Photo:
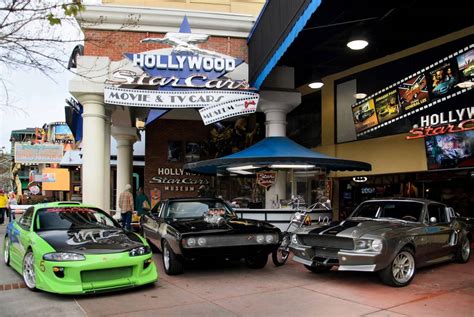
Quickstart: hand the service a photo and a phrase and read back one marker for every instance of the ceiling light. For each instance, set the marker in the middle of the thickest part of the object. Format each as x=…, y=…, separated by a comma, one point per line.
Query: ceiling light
x=241, y=172
x=244, y=167
x=291, y=166
x=316, y=85
x=360, y=95
x=357, y=44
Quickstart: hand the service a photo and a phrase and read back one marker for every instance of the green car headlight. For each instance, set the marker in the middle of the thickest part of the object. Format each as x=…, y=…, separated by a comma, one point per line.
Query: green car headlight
x=139, y=251
x=63, y=256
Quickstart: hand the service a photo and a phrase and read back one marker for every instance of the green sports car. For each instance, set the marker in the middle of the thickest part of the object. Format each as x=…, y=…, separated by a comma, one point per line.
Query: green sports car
x=71, y=248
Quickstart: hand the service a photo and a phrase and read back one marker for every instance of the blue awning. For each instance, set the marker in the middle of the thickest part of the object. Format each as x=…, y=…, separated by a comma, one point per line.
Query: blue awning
x=275, y=150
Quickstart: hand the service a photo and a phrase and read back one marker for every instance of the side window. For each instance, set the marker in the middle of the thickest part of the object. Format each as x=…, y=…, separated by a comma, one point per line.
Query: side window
x=27, y=218
x=437, y=211
x=160, y=210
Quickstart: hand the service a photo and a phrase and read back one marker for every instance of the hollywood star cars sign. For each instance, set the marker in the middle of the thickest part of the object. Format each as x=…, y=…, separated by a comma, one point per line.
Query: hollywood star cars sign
x=189, y=77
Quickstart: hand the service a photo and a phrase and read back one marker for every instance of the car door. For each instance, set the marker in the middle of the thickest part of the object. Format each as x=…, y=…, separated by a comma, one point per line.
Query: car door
x=21, y=236
x=438, y=231
x=150, y=223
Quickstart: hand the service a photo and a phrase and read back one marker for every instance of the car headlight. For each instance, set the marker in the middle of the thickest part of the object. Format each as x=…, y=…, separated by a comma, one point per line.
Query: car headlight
x=377, y=245
x=269, y=238
x=63, y=256
x=294, y=239
x=139, y=251
x=201, y=242
x=260, y=239
x=191, y=242
x=368, y=244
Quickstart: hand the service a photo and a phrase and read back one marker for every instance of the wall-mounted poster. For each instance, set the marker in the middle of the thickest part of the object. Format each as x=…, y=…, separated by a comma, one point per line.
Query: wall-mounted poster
x=193, y=152
x=443, y=80
x=413, y=92
x=451, y=150
x=364, y=116
x=466, y=64
x=175, y=151
x=387, y=106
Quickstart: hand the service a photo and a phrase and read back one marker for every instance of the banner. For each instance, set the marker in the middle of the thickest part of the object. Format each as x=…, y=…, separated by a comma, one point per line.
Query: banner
x=38, y=153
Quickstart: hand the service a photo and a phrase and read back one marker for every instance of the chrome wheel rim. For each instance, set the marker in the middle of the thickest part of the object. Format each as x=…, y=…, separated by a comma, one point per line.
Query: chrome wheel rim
x=6, y=253
x=466, y=250
x=282, y=255
x=29, y=270
x=166, y=257
x=403, y=267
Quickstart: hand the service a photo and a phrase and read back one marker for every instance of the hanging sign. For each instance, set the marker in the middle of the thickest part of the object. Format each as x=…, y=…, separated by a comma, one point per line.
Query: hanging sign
x=266, y=179
x=189, y=77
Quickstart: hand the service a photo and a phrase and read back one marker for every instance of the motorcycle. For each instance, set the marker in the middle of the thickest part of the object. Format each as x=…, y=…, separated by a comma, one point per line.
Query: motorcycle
x=298, y=219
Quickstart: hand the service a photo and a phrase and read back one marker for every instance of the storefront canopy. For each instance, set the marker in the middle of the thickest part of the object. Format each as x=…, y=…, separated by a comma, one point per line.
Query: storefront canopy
x=275, y=150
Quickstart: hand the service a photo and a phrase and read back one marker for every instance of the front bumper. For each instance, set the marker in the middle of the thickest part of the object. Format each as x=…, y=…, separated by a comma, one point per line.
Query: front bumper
x=98, y=273
x=235, y=252
x=346, y=260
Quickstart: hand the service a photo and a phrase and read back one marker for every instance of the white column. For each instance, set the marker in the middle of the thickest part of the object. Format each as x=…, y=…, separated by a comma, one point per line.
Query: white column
x=107, y=136
x=93, y=149
x=275, y=105
x=125, y=137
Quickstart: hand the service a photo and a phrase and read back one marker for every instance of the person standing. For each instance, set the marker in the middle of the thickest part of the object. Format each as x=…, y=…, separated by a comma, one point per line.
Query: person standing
x=142, y=203
x=11, y=202
x=3, y=206
x=126, y=207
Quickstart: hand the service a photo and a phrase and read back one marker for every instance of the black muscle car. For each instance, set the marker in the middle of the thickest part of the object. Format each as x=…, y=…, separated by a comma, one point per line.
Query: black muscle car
x=393, y=237
x=196, y=228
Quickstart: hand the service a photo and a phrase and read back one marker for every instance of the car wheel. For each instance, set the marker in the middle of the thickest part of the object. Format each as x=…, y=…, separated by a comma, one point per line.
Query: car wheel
x=29, y=276
x=464, y=252
x=257, y=262
x=318, y=268
x=171, y=263
x=401, y=271
x=6, y=251
x=280, y=255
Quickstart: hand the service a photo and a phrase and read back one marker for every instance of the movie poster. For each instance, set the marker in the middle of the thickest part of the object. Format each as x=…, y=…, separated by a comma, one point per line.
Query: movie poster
x=451, y=150
x=413, y=92
x=364, y=116
x=387, y=106
x=466, y=64
x=443, y=80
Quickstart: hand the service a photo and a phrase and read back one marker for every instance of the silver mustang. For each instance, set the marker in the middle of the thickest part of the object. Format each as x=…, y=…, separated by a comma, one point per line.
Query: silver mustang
x=393, y=237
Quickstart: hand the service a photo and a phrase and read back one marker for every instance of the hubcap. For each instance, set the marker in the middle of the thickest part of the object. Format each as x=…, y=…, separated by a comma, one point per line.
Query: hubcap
x=403, y=267
x=7, y=250
x=166, y=257
x=466, y=250
x=29, y=270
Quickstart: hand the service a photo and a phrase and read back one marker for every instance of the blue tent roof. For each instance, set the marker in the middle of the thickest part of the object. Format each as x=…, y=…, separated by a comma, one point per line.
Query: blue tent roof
x=274, y=150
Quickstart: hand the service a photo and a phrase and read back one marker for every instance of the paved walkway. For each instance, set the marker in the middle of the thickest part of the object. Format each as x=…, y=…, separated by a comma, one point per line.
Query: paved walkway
x=235, y=290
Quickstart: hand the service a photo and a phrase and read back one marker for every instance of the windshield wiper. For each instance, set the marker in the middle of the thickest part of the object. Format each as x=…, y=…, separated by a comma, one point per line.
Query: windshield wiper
x=362, y=218
x=396, y=219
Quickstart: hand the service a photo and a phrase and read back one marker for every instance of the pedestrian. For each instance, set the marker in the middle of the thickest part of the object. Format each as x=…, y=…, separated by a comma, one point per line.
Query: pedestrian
x=126, y=207
x=142, y=203
x=3, y=206
x=12, y=201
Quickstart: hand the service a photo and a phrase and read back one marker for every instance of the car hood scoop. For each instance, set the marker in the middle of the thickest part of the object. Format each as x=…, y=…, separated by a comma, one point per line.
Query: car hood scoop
x=94, y=241
x=235, y=225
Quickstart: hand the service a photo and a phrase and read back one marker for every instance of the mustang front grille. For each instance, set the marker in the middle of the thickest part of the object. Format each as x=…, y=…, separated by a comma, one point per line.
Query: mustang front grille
x=331, y=242
x=106, y=274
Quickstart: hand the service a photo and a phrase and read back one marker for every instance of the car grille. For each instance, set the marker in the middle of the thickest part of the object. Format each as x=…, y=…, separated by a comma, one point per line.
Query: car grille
x=233, y=240
x=331, y=242
x=106, y=274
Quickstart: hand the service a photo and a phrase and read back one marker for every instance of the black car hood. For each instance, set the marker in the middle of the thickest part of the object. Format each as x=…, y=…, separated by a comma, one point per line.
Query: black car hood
x=93, y=241
x=233, y=225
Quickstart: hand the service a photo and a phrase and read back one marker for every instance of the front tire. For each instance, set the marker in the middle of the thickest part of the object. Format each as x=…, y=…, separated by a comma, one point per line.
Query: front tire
x=401, y=271
x=318, y=268
x=464, y=252
x=6, y=251
x=29, y=276
x=280, y=255
x=171, y=263
x=257, y=261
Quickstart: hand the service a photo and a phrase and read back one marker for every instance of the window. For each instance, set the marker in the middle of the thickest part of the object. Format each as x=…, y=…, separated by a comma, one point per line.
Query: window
x=26, y=219
x=437, y=211
x=65, y=218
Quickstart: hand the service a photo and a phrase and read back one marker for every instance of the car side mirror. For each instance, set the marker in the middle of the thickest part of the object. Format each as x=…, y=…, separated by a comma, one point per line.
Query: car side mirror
x=433, y=220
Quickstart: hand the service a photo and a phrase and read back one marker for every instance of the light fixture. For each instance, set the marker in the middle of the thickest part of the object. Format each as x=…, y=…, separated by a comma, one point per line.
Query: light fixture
x=243, y=167
x=359, y=179
x=241, y=172
x=360, y=95
x=292, y=166
x=316, y=84
x=357, y=44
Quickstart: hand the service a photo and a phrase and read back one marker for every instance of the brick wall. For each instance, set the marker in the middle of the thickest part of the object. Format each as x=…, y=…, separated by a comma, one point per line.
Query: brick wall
x=159, y=133
x=115, y=43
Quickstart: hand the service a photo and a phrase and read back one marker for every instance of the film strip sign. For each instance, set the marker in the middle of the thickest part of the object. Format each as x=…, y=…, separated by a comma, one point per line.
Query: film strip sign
x=398, y=83
x=232, y=108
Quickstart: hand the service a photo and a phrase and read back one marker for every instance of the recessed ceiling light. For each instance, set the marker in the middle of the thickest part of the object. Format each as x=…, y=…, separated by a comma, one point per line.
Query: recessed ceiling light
x=357, y=44
x=316, y=85
x=360, y=95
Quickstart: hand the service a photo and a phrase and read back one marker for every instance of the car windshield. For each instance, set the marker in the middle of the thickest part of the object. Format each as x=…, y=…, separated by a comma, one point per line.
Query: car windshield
x=197, y=209
x=402, y=210
x=66, y=218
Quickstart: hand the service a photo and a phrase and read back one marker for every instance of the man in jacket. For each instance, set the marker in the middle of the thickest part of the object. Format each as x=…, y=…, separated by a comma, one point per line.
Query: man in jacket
x=126, y=207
